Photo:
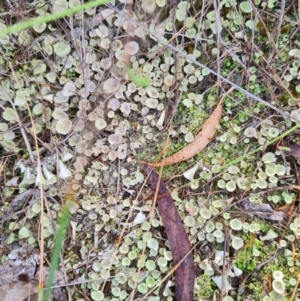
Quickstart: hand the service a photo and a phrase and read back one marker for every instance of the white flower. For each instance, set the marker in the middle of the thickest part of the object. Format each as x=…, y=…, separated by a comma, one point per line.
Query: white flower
x=64, y=172
x=139, y=219
x=50, y=177
x=190, y=173
x=39, y=177
x=28, y=178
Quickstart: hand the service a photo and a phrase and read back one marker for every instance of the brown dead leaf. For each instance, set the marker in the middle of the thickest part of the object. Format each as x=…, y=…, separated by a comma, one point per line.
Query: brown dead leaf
x=261, y=210
x=177, y=237
x=296, y=187
x=287, y=209
x=204, y=136
x=294, y=151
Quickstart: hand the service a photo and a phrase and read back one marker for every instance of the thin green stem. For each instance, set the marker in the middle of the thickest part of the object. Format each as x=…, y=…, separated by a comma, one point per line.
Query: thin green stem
x=63, y=222
x=48, y=18
x=261, y=147
x=249, y=154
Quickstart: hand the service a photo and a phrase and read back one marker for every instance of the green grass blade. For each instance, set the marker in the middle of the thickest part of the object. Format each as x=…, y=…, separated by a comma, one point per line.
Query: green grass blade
x=138, y=80
x=48, y=18
x=63, y=222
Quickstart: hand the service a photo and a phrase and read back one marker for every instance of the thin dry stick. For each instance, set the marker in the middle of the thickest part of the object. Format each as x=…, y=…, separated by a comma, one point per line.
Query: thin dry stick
x=195, y=62
x=123, y=230
x=181, y=30
x=155, y=199
x=249, y=154
x=276, y=32
x=202, y=227
x=224, y=264
x=2, y=165
x=150, y=220
x=298, y=12
x=218, y=29
x=41, y=276
x=286, y=46
x=118, y=179
x=127, y=60
x=264, y=25
x=173, y=269
x=203, y=137
x=191, y=250
x=276, y=78
x=19, y=122
x=202, y=14
x=295, y=288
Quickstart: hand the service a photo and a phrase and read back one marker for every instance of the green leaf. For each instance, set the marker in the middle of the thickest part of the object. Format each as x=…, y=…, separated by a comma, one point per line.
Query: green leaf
x=9, y=114
x=63, y=221
x=23, y=233
x=140, y=81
